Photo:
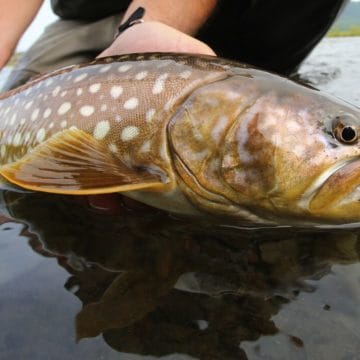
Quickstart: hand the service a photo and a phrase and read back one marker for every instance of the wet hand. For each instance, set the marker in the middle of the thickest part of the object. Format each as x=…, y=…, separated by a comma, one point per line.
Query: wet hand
x=155, y=37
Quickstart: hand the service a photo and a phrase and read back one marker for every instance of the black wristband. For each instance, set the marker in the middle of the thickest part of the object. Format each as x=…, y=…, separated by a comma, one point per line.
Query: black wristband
x=134, y=18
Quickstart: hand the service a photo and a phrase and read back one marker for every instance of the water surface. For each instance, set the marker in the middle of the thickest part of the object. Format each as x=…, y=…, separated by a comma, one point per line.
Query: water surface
x=79, y=284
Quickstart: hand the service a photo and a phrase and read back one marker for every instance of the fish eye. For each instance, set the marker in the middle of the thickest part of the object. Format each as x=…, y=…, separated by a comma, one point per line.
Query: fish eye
x=345, y=132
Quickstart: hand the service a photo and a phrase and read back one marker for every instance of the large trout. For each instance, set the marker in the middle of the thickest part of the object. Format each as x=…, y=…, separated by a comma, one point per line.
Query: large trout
x=188, y=134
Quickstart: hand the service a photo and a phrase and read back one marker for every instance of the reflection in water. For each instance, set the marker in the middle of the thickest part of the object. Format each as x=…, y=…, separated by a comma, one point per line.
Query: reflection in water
x=151, y=284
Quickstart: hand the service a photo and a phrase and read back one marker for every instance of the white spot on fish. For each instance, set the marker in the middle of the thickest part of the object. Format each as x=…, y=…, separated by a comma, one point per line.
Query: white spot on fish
x=12, y=120
x=145, y=147
x=131, y=104
x=79, y=91
x=150, y=114
x=40, y=135
x=87, y=110
x=299, y=150
x=56, y=91
x=129, y=133
x=27, y=137
x=124, y=68
x=219, y=128
x=27, y=105
x=141, y=75
x=104, y=68
x=51, y=125
x=63, y=93
x=17, y=139
x=47, y=113
x=159, y=84
x=113, y=148
x=116, y=91
x=22, y=121
x=48, y=82
x=63, y=124
x=118, y=118
x=185, y=74
x=103, y=107
x=35, y=114
x=80, y=77
x=94, y=88
x=3, y=150
x=64, y=108
x=101, y=130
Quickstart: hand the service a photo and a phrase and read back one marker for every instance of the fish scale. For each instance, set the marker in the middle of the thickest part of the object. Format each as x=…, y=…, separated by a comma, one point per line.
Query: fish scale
x=185, y=133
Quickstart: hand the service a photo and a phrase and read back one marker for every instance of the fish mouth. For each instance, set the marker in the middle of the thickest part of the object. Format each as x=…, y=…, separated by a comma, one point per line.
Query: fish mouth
x=334, y=187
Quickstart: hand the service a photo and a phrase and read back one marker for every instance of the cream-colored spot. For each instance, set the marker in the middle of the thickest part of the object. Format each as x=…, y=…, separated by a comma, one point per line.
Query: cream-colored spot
x=22, y=121
x=63, y=93
x=27, y=105
x=116, y=91
x=118, y=118
x=141, y=75
x=159, y=84
x=17, y=139
x=87, y=110
x=9, y=139
x=51, y=125
x=63, y=124
x=150, y=114
x=80, y=77
x=56, y=91
x=299, y=150
x=94, y=88
x=73, y=127
x=27, y=137
x=131, y=104
x=113, y=148
x=48, y=82
x=124, y=68
x=12, y=120
x=64, y=108
x=79, y=91
x=47, y=113
x=185, y=74
x=104, y=68
x=129, y=133
x=40, y=135
x=35, y=114
x=103, y=107
x=145, y=147
x=101, y=130
x=3, y=150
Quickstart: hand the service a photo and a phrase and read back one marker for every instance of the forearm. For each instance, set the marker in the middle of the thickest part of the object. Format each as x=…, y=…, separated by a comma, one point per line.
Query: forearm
x=185, y=15
x=15, y=17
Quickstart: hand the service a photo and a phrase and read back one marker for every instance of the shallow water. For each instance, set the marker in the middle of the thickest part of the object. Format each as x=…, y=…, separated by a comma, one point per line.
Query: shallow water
x=79, y=284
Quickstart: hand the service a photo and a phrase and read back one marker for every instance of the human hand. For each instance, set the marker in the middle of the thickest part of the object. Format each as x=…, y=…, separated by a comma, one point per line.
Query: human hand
x=155, y=37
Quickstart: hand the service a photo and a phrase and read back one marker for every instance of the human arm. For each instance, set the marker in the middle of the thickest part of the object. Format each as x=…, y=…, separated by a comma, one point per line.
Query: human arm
x=168, y=27
x=15, y=17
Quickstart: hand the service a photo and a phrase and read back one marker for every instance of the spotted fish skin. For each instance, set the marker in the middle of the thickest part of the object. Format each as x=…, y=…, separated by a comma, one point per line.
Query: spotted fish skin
x=189, y=134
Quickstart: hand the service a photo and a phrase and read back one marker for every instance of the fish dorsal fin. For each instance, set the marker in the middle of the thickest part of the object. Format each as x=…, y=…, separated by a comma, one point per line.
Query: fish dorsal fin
x=73, y=162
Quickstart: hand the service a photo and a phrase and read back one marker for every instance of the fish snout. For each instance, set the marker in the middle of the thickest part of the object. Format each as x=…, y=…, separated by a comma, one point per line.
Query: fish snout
x=338, y=195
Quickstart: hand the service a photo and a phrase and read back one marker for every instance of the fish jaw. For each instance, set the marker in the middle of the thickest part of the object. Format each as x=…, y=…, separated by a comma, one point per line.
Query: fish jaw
x=337, y=195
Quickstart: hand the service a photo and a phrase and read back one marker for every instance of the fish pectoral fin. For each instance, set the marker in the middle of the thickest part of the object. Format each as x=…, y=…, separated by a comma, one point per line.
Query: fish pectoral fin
x=73, y=162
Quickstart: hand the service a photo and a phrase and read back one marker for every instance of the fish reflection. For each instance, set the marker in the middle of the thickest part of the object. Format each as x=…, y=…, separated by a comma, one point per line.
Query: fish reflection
x=153, y=284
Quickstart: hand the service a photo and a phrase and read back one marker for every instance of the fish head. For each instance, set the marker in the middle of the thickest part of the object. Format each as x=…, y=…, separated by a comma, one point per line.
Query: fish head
x=294, y=156
x=267, y=149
